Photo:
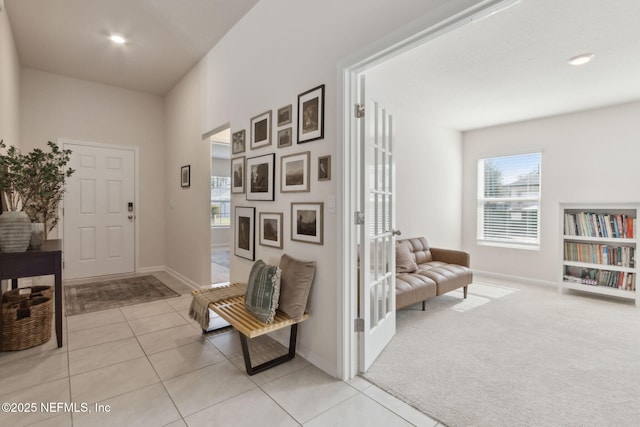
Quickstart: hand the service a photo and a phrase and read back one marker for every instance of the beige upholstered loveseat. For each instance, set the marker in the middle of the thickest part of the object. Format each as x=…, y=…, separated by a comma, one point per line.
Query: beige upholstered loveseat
x=423, y=272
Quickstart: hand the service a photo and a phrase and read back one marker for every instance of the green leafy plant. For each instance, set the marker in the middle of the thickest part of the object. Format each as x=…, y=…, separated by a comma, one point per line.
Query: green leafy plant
x=35, y=182
x=13, y=180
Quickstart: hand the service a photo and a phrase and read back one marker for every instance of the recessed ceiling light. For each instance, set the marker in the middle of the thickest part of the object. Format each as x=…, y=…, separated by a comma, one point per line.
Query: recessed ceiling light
x=581, y=59
x=118, y=39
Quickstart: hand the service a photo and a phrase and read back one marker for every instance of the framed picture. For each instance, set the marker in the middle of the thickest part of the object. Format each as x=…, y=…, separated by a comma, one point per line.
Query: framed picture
x=271, y=229
x=237, y=175
x=307, y=222
x=260, y=176
x=284, y=115
x=294, y=170
x=245, y=236
x=311, y=115
x=324, y=168
x=284, y=137
x=261, y=130
x=238, y=142
x=185, y=176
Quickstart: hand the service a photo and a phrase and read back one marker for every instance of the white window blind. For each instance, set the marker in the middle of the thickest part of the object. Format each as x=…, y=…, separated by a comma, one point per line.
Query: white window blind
x=509, y=200
x=220, y=201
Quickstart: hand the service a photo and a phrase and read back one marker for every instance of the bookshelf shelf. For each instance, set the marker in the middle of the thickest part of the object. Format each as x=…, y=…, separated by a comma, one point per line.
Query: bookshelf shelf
x=598, y=249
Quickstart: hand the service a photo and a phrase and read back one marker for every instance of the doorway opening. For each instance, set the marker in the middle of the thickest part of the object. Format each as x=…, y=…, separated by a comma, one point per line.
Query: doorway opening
x=220, y=214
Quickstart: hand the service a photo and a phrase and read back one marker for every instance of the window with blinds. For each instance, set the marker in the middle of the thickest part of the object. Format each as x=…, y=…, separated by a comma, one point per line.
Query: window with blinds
x=509, y=200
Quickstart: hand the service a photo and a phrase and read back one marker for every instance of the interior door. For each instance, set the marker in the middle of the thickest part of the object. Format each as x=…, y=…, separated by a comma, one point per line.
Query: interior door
x=377, y=242
x=99, y=212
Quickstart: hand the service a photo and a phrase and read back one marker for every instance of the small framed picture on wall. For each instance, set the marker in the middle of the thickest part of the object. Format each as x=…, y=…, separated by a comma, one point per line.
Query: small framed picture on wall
x=245, y=237
x=261, y=130
x=185, y=176
x=294, y=171
x=311, y=115
x=237, y=175
x=307, y=222
x=284, y=137
x=271, y=229
x=324, y=168
x=238, y=142
x=260, y=172
x=284, y=115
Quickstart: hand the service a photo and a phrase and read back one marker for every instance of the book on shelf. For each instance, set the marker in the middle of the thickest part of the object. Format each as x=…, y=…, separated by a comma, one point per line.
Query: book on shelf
x=623, y=256
x=596, y=277
x=589, y=224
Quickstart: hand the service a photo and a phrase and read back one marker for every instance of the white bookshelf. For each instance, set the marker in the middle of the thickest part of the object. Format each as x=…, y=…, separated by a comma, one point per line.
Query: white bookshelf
x=599, y=244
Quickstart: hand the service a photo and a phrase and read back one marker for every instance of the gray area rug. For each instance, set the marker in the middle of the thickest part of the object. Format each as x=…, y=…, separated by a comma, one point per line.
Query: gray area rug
x=104, y=295
x=525, y=357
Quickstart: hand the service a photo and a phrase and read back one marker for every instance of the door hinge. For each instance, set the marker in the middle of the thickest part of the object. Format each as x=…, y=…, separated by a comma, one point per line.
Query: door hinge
x=359, y=111
x=358, y=325
x=358, y=218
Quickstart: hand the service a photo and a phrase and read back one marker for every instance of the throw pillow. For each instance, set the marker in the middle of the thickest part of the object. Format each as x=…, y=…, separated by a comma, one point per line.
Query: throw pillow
x=295, y=285
x=263, y=291
x=405, y=263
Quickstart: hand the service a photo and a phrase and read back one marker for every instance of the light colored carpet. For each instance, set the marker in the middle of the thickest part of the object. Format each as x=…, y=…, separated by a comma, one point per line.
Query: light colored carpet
x=526, y=356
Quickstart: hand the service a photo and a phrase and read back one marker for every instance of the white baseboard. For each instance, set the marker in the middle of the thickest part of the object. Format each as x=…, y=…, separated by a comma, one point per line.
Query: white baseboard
x=145, y=270
x=172, y=272
x=515, y=278
x=179, y=276
x=308, y=355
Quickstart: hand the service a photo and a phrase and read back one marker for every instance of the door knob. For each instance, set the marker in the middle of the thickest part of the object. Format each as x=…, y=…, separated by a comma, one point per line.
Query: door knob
x=130, y=217
x=396, y=232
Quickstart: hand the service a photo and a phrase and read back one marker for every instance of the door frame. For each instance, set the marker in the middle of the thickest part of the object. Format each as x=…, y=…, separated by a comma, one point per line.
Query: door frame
x=136, y=188
x=443, y=20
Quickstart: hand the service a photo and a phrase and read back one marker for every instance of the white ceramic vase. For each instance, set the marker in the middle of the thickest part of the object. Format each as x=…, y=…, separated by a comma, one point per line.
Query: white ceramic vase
x=15, y=231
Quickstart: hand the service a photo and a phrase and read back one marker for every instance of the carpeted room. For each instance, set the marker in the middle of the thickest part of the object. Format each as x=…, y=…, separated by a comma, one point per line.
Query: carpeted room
x=531, y=356
x=516, y=354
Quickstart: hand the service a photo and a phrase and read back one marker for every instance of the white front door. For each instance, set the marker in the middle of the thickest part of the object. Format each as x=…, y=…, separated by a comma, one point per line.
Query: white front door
x=99, y=212
x=377, y=242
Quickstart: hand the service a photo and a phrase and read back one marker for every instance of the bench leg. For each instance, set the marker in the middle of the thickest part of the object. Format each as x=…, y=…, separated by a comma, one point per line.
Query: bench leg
x=465, y=291
x=252, y=370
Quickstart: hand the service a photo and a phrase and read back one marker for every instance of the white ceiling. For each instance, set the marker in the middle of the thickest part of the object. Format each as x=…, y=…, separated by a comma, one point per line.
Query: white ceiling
x=508, y=67
x=512, y=66
x=166, y=37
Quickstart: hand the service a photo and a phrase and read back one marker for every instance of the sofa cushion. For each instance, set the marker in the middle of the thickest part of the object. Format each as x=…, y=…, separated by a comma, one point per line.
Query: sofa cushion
x=413, y=288
x=263, y=291
x=420, y=249
x=448, y=277
x=405, y=261
x=295, y=285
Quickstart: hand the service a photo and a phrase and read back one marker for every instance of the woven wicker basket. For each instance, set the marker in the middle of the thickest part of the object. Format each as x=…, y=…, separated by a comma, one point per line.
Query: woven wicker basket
x=26, y=318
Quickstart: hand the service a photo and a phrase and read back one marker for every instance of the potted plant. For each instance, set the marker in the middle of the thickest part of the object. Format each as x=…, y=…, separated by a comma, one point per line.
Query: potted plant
x=15, y=227
x=46, y=174
x=32, y=186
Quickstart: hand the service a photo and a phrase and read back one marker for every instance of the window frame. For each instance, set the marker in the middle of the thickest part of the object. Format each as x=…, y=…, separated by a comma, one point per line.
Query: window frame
x=227, y=201
x=508, y=241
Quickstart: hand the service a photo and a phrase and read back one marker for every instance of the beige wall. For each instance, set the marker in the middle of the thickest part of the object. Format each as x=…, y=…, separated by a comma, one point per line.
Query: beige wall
x=54, y=106
x=9, y=84
x=280, y=49
x=188, y=236
x=587, y=157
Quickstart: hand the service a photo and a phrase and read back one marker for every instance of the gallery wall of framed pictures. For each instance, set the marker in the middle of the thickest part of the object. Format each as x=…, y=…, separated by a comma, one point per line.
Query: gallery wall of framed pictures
x=276, y=213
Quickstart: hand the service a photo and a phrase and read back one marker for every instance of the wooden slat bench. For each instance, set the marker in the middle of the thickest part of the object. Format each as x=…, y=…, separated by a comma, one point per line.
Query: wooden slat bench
x=232, y=310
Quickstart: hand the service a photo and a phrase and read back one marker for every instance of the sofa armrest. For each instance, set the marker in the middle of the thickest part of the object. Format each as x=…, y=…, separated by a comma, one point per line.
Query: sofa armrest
x=450, y=256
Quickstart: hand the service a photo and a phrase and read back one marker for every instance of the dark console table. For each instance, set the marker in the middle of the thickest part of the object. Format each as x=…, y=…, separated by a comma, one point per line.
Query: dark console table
x=41, y=262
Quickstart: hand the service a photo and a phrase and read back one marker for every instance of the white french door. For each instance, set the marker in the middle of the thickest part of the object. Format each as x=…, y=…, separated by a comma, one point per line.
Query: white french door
x=99, y=212
x=377, y=238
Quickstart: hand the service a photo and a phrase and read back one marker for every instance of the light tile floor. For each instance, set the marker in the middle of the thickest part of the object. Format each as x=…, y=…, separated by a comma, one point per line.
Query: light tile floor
x=151, y=366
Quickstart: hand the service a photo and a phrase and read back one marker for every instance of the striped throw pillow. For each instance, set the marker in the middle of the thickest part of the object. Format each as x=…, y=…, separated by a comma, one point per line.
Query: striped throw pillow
x=263, y=291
